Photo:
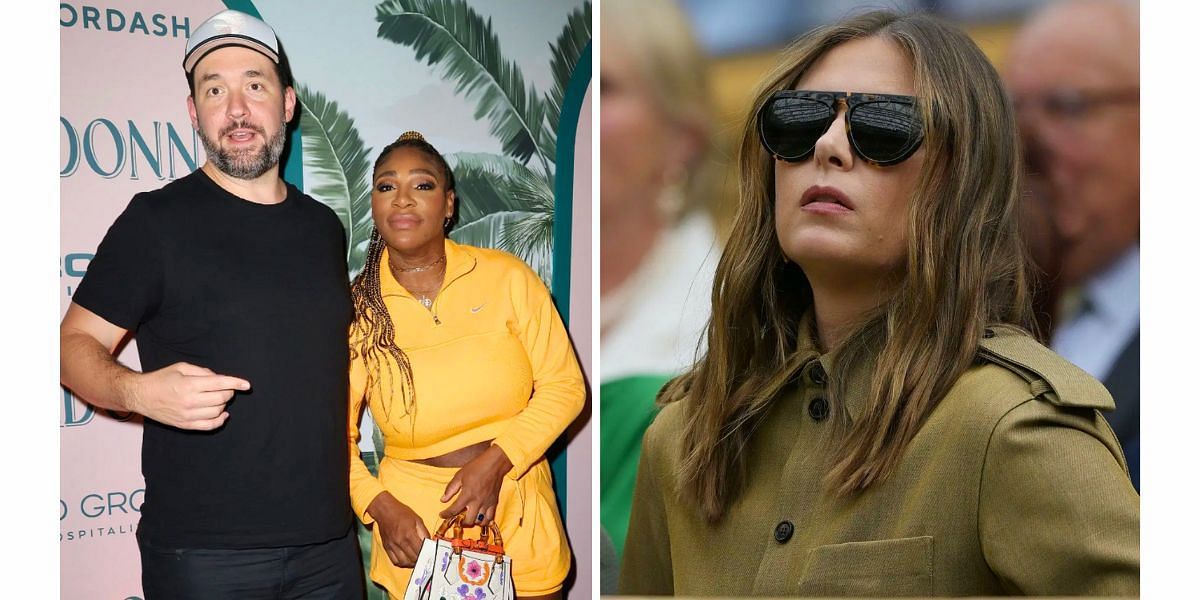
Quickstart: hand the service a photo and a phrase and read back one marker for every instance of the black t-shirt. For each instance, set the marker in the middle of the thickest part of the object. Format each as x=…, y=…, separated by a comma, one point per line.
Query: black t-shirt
x=254, y=291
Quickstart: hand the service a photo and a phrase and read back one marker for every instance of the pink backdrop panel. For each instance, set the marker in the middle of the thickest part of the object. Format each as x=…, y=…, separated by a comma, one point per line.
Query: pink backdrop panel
x=123, y=129
x=579, y=451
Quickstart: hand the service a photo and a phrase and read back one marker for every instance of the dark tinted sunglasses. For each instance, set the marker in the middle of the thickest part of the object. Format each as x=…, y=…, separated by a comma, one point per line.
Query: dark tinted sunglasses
x=884, y=129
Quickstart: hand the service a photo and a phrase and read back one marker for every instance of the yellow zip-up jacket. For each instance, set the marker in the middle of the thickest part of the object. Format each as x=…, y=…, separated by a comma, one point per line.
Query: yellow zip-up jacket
x=490, y=361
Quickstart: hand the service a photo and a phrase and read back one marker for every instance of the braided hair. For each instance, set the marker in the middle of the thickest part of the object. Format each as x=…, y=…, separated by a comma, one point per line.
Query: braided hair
x=372, y=334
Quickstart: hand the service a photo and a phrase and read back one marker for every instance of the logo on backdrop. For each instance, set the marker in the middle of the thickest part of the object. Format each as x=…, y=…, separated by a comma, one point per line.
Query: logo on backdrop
x=111, y=148
x=71, y=269
x=77, y=413
x=100, y=513
x=110, y=19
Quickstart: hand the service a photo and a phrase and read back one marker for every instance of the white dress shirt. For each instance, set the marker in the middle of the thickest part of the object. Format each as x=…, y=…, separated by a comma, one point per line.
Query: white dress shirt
x=654, y=319
x=1108, y=317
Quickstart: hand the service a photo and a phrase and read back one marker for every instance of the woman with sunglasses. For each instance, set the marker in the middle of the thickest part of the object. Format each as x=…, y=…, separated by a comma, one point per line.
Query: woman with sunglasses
x=871, y=416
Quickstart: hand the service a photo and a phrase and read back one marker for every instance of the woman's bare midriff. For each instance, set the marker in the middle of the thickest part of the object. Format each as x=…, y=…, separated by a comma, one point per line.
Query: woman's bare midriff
x=456, y=458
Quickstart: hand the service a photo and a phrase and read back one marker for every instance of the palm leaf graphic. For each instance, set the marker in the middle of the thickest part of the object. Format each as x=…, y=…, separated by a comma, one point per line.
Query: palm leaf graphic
x=485, y=182
x=489, y=231
x=335, y=153
x=451, y=36
x=566, y=50
x=531, y=238
x=489, y=184
x=488, y=228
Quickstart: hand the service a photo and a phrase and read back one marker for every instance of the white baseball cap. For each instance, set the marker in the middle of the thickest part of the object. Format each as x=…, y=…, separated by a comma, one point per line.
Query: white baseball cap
x=230, y=28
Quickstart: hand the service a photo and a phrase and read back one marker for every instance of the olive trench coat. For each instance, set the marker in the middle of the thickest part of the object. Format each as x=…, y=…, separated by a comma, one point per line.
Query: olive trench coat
x=1014, y=485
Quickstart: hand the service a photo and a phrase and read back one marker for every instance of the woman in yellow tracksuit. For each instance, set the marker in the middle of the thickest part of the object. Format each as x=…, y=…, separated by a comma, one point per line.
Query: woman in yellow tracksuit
x=469, y=374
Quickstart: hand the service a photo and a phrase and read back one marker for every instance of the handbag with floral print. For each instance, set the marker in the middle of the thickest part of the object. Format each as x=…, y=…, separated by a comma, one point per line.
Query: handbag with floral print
x=451, y=567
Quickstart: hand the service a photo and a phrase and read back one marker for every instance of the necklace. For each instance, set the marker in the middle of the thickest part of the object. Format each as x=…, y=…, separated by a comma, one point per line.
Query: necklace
x=422, y=296
x=417, y=269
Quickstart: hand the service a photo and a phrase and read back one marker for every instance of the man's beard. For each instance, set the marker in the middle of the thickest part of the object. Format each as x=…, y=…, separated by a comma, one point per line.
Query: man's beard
x=248, y=163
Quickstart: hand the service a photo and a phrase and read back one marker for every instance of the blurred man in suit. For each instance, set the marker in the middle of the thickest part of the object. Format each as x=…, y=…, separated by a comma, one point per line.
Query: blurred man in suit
x=1073, y=75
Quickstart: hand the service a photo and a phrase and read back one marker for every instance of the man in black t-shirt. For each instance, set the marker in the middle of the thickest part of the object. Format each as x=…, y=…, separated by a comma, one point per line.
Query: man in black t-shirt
x=234, y=284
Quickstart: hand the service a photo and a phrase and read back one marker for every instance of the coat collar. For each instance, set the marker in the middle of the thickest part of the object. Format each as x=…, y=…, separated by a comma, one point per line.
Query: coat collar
x=459, y=261
x=817, y=367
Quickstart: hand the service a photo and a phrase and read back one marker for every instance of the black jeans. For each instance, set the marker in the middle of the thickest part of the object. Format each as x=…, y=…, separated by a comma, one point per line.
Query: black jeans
x=330, y=570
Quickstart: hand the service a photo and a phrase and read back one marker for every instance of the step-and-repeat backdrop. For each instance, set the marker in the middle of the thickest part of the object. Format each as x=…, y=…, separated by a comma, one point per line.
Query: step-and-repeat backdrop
x=124, y=129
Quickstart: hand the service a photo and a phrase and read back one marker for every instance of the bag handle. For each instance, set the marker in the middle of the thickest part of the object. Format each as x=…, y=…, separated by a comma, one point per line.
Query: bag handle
x=460, y=543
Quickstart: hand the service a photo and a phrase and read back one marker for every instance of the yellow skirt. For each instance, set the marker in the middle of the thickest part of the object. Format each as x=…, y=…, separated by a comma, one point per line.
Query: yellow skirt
x=526, y=515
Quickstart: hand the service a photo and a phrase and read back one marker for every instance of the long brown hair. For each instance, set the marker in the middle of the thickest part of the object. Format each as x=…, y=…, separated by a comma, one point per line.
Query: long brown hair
x=964, y=270
x=372, y=334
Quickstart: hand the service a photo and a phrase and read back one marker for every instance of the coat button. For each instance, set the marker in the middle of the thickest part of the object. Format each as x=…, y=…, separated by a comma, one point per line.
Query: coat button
x=988, y=334
x=817, y=374
x=783, y=531
x=818, y=409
